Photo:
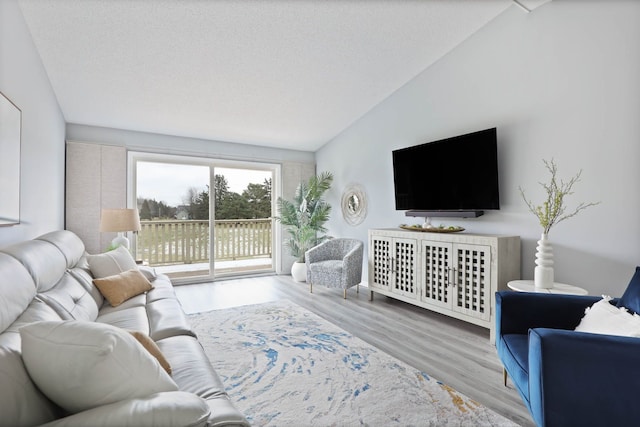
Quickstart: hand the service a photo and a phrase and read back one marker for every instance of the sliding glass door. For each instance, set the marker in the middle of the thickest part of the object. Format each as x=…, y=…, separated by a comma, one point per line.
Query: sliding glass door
x=174, y=215
x=203, y=217
x=243, y=220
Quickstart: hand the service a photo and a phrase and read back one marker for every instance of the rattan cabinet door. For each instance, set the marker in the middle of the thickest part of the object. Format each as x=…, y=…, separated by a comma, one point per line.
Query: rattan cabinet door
x=380, y=262
x=405, y=252
x=472, y=282
x=436, y=273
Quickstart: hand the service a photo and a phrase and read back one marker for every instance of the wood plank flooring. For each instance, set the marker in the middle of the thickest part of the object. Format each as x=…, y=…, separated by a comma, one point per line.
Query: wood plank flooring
x=452, y=351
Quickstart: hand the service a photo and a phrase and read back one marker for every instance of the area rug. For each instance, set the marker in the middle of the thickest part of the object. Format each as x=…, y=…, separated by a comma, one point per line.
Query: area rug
x=284, y=365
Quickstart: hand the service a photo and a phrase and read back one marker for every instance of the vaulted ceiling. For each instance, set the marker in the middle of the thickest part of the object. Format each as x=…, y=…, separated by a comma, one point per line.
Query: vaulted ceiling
x=281, y=73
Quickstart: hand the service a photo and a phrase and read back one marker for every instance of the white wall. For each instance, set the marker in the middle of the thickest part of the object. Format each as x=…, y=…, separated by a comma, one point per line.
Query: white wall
x=561, y=82
x=24, y=81
x=168, y=144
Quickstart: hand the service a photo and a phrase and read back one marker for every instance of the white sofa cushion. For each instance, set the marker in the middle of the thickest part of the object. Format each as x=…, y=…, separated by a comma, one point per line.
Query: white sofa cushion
x=82, y=365
x=167, y=409
x=21, y=403
x=17, y=290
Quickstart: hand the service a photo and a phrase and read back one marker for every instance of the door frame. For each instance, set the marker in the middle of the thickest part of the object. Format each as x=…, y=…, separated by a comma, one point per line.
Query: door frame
x=276, y=191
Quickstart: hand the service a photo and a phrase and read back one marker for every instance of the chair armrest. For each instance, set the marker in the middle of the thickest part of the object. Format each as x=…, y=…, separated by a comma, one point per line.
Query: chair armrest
x=173, y=408
x=517, y=312
x=354, y=255
x=352, y=263
x=578, y=378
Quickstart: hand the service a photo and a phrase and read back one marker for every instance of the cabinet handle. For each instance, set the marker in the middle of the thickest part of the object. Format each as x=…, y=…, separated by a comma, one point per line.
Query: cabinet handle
x=452, y=280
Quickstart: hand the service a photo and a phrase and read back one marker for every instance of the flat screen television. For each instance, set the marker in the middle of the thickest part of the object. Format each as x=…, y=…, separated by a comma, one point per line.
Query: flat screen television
x=453, y=174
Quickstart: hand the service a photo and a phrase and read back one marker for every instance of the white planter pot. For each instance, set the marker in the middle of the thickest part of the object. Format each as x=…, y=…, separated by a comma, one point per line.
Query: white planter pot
x=543, y=273
x=299, y=271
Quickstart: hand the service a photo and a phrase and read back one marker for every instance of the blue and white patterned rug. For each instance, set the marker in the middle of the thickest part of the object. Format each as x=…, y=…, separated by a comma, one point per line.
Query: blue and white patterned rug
x=283, y=365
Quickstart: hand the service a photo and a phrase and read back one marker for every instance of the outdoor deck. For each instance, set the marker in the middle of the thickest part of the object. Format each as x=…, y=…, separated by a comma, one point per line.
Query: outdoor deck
x=182, y=248
x=220, y=268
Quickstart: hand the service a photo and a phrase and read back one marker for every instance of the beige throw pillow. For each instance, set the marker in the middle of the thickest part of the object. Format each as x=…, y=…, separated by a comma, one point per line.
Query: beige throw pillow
x=120, y=287
x=152, y=348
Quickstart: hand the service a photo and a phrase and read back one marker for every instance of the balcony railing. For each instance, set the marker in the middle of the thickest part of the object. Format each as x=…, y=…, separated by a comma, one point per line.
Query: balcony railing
x=169, y=242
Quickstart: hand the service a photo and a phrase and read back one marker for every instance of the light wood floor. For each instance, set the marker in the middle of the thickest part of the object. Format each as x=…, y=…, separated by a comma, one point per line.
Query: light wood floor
x=452, y=351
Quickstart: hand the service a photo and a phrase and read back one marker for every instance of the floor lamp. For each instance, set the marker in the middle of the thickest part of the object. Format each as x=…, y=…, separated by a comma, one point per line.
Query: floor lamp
x=121, y=221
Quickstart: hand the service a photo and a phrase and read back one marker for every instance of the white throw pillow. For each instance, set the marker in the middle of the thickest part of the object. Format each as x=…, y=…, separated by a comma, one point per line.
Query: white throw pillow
x=605, y=318
x=117, y=261
x=82, y=365
x=111, y=263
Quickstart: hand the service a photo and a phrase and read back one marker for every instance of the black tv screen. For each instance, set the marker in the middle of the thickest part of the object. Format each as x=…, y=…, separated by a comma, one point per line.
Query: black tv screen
x=458, y=173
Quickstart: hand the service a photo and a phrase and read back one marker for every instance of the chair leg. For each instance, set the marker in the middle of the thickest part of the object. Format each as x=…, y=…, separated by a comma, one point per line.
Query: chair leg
x=504, y=376
x=344, y=294
x=310, y=288
x=357, y=288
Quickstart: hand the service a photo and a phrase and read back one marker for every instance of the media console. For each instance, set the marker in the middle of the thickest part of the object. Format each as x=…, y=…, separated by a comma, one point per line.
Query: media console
x=456, y=274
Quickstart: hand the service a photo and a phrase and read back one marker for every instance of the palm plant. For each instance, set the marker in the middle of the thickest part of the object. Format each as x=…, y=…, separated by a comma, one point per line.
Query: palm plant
x=304, y=217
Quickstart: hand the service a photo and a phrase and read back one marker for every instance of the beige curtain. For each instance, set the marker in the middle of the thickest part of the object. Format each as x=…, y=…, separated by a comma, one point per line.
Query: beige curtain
x=96, y=178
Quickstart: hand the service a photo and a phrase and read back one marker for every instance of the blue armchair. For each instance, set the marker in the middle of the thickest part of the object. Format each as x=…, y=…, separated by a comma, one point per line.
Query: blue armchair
x=566, y=378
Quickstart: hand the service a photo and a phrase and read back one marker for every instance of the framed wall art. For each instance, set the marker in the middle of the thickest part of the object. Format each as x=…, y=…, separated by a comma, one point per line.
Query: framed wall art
x=10, y=135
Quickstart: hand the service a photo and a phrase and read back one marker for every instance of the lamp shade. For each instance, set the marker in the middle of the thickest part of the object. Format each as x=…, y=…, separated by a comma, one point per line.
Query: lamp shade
x=120, y=220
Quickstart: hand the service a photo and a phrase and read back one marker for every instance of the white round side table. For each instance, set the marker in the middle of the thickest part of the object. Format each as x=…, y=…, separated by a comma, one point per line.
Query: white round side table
x=558, y=288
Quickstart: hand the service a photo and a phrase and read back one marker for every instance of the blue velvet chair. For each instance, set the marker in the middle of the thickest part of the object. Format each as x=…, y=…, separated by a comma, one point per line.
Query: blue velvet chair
x=569, y=378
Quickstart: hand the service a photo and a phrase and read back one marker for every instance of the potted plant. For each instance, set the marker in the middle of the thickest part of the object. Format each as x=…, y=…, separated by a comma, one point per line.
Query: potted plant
x=304, y=218
x=549, y=213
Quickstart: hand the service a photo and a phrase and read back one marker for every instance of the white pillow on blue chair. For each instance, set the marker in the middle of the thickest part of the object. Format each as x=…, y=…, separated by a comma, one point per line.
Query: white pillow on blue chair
x=605, y=318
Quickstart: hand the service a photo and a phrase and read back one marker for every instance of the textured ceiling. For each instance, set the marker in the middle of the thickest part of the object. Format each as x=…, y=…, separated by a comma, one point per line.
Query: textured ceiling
x=289, y=74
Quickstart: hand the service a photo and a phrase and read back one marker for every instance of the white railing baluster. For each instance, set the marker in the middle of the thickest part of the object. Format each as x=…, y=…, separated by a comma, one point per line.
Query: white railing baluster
x=164, y=242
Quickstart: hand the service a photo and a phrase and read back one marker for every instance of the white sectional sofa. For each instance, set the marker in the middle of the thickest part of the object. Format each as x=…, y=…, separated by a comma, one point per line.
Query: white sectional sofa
x=49, y=279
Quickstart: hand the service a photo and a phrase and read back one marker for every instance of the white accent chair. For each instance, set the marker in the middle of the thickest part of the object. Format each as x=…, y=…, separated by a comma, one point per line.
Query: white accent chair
x=335, y=263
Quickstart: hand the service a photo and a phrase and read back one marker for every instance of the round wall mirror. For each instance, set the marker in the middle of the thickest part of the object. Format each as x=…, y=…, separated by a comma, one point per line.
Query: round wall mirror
x=354, y=204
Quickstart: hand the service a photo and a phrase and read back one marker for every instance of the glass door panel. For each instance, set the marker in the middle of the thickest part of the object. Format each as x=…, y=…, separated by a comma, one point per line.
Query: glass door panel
x=243, y=230
x=173, y=202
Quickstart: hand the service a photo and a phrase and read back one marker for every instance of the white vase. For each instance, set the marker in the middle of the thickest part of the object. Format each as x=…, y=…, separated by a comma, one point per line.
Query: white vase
x=543, y=273
x=299, y=271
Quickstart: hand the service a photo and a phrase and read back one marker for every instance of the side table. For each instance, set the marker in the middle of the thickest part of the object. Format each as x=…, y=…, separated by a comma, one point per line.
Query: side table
x=558, y=288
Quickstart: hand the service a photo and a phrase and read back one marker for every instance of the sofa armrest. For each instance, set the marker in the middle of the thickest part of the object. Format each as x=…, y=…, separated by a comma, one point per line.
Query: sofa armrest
x=173, y=408
x=578, y=378
x=517, y=312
